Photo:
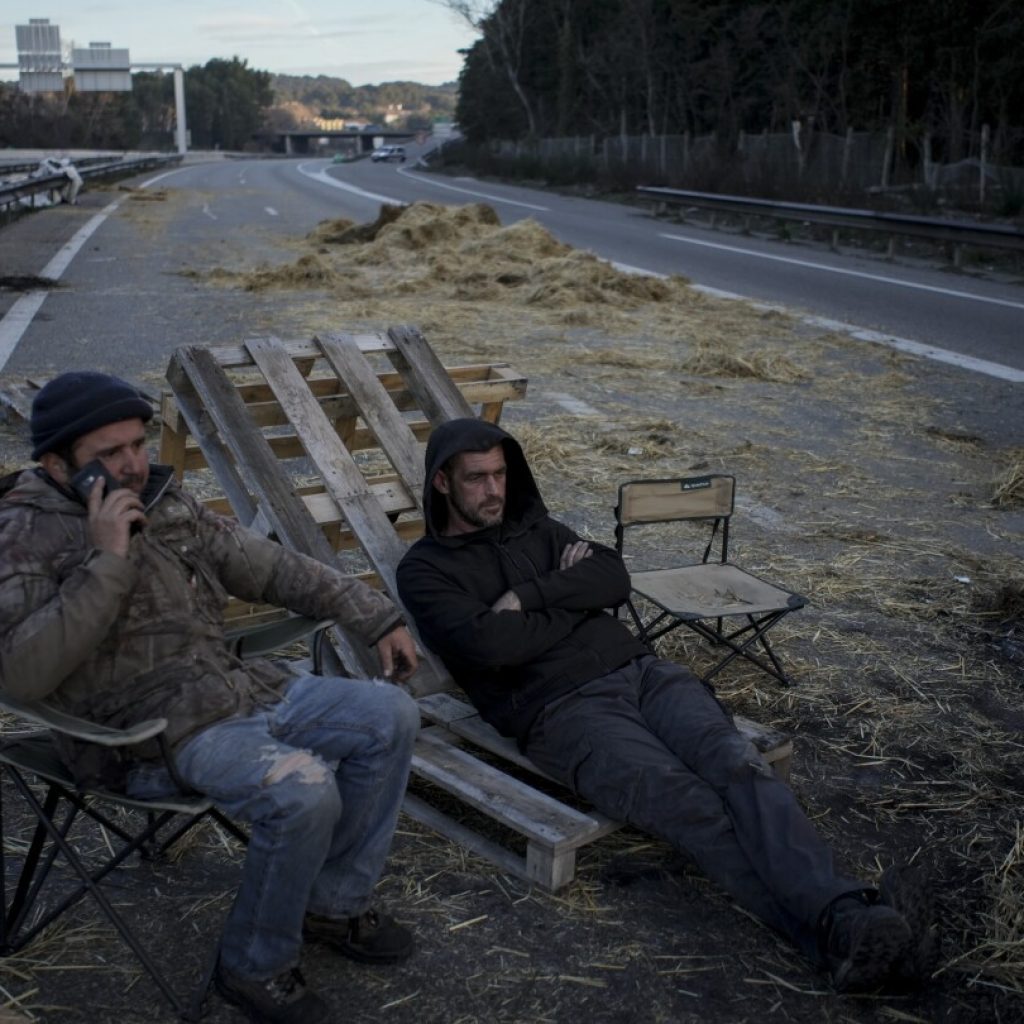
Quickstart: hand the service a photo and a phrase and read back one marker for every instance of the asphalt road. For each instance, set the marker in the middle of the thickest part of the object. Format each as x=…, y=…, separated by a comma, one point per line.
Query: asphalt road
x=123, y=301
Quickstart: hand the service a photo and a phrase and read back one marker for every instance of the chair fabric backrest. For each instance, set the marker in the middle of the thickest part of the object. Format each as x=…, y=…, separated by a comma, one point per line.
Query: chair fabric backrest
x=688, y=497
x=707, y=497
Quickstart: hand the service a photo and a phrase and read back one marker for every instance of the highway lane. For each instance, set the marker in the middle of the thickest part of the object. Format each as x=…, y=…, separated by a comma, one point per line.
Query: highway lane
x=134, y=290
x=129, y=287
x=980, y=318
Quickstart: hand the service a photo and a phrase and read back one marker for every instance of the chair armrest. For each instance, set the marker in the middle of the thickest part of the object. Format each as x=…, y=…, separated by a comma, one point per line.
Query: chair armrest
x=267, y=638
x=49, y=717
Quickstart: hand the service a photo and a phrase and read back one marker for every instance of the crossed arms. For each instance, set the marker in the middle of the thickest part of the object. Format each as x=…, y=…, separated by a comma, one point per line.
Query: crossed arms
x=498, y=621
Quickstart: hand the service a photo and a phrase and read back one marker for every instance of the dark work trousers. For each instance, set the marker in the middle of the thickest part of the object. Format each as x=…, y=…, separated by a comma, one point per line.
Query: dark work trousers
x=651, y=745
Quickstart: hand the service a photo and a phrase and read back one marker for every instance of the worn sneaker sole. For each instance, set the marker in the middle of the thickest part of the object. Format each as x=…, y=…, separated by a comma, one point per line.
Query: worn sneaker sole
x=907, y=889
x=880, y=940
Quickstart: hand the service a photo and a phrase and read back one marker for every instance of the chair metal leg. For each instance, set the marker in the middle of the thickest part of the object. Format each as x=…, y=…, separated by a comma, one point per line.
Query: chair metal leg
x=197, y=1008
x=754, y=632
x=89, y=884
x=757, y=628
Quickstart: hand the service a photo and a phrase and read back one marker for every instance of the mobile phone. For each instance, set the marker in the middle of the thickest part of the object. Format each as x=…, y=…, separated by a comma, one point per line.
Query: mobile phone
x=83, y=481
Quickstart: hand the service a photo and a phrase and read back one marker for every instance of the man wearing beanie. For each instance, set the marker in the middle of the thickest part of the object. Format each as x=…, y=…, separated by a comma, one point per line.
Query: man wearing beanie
x=111, y=608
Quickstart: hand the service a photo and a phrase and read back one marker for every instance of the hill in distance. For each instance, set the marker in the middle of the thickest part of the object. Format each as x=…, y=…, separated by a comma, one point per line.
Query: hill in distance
x=305, y=99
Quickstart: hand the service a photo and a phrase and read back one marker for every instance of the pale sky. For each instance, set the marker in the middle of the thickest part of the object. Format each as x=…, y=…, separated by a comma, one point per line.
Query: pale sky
x=364, y=41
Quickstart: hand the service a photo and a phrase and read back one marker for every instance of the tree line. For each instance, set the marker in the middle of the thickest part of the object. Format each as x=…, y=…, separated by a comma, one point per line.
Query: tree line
x=225, y=103
x=228, y=105
x=942, y=68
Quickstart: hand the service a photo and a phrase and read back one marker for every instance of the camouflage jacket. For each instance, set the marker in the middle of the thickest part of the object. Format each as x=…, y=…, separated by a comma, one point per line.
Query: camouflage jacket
x=122, y=640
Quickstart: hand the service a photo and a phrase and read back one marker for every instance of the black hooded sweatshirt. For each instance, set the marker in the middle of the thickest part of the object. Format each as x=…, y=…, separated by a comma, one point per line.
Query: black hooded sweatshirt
x=511, y=664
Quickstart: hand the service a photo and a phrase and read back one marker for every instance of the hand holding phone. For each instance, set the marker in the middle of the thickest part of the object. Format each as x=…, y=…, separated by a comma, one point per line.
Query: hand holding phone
x=85, y=479
x=111, y=523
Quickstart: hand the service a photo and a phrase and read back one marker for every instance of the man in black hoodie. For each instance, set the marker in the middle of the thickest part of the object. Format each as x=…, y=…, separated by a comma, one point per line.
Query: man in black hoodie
x=515, y=604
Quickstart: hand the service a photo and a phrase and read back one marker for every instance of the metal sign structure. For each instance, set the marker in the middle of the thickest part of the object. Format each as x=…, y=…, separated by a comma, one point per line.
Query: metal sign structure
x=40, y=67
x=101, y=68
x=98, y=68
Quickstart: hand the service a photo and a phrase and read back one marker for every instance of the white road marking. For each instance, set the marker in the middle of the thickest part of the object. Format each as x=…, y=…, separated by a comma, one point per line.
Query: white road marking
x=429, y=180
x=570, y=404
x=209, y=213
x=324, y=178
x=917, y=348
x=938, y=355
x=270, y=210
x=69, y=250
x=19, y=317
x=160, y=177
x=17, y=322
x=627, y=268
x=811, y=265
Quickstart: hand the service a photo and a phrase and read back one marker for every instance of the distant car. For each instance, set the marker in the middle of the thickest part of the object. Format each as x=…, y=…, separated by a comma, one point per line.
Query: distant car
x=388, y=153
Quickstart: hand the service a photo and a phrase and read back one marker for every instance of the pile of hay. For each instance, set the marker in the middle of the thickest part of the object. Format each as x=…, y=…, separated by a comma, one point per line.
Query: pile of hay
x=465, y=253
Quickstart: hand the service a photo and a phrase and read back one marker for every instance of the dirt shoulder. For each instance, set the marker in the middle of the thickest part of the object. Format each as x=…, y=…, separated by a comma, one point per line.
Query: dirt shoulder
x=888, y=490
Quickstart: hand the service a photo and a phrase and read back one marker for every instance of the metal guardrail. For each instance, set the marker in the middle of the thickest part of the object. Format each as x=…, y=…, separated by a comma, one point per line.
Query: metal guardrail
x=28, y=166
x=955, y=232
x=15, y=191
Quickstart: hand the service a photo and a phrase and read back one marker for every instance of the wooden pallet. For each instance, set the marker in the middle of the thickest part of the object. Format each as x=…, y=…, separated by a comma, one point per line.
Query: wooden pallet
x=319, y=444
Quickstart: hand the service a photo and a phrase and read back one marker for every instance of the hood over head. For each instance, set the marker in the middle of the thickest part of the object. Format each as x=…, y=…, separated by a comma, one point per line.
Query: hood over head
x=522, y=498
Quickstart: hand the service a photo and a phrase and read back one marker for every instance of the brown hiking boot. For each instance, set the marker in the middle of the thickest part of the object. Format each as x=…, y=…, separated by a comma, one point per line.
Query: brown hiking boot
x=371, y=938
x=283, y=999
x=907, y=889
x=862, y=943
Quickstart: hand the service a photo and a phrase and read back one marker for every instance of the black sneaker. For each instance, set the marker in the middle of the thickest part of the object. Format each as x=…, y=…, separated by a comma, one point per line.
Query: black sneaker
x=279, y=1000
x=907, y=889
x=370, y=938
x=863, y=943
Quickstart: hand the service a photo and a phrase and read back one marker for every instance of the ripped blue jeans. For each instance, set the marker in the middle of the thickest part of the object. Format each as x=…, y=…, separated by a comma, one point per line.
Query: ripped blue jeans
x=319, y=834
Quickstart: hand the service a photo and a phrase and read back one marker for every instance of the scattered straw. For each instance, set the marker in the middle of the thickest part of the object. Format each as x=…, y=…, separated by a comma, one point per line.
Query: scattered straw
x=1008, y=490
x=711, y=361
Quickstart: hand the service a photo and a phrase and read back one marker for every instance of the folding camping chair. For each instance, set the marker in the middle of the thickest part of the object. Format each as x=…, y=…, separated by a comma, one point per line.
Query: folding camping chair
x=29, y=758
x=704, y=595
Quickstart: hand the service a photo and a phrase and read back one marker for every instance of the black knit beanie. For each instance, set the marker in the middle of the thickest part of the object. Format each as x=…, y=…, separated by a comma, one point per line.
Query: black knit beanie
x=76, y=403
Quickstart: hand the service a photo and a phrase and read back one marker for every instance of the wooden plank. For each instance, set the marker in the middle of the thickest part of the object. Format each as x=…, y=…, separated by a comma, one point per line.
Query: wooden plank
x=513, y=803
x=342, y=478
x=235, y=356
x=290, y=447
x=508, y=861
x=378, y=411
x=252, y=455
x=437, y=394
x=491, y=392
x=16, y=403
x=329, y=386
x=196, y=387
x=214, y=397
x=172, y=448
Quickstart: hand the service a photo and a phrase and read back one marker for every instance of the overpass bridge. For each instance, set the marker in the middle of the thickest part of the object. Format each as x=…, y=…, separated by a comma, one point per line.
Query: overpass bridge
x=320, y=143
